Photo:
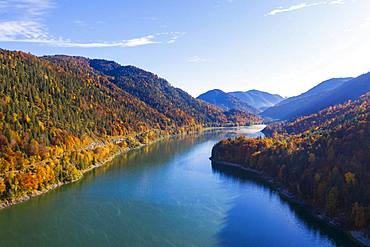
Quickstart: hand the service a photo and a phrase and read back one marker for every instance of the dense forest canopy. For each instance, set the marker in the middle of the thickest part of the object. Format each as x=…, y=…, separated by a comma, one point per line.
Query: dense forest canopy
x=60, y=116
x=322, y=158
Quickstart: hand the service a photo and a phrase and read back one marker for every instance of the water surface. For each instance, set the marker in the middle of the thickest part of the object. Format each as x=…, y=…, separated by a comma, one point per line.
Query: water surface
x=166, y=194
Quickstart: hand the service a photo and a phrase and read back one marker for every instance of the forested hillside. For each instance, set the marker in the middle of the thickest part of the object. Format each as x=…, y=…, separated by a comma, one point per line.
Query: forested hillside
x=324, y=120
x=59, y=116
x=323, y=159
x=159, y=94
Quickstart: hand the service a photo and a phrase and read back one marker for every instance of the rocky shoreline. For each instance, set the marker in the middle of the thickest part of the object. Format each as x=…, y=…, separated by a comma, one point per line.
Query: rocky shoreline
x=357, y=236
x=24, y=198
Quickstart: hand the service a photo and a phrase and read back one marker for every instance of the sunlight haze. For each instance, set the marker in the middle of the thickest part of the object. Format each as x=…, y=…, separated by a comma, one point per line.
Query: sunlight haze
x=283, y=47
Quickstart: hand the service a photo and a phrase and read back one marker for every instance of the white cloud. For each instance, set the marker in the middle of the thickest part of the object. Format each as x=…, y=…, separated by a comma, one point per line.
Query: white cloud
x=174, y=36
x=22, y=21
x=337, y=2
x=25, y=29
x=146, y=40
x=141, y=41
x=196, y=59
x=303, y=5
x=23, y=18
x=25, y=8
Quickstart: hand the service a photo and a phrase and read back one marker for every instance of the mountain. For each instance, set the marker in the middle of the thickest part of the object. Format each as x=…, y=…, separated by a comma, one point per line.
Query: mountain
x=325, y=120
x=330, y=92
x=226, y=101
x=349, y=90
x=159, y=94
x=258, y=99
x=318, y=90
x=61, y=116
x=321, y=160
x=328, y=85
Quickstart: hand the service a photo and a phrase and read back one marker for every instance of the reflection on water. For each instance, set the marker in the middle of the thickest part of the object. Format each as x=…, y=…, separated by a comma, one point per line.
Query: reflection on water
x=165, y=194
x=231, y=233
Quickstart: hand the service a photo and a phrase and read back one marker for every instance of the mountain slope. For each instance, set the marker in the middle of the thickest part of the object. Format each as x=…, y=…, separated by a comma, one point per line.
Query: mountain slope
x=158, y=93
x=349, y=90
x=258, y=99
x=225, y=101
x=57, y=122
x=325, y=120
x=327, y=93
x=60, y=117
x=328, y=85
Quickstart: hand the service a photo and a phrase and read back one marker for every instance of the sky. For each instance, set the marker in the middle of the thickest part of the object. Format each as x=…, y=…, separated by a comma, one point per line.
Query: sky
x=283, y=47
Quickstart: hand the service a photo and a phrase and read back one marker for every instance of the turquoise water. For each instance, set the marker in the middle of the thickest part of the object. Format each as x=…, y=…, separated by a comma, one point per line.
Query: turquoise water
x=166, y=194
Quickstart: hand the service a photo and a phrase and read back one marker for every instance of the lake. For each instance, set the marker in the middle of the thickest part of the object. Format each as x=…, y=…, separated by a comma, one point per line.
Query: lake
x=165, y=194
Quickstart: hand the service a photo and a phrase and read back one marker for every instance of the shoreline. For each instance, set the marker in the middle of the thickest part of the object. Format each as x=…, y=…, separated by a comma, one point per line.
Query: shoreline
x=356, y=235
x=9, y=203
x=24, y=198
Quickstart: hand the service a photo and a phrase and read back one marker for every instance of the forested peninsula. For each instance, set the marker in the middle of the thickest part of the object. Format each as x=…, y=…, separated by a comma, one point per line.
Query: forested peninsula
x=321, y=160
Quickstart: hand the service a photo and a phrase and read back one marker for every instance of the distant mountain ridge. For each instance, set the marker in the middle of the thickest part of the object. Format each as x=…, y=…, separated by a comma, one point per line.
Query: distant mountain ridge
x=327, y=93
x=258, y=99
x=226, y=101
x=253, y=101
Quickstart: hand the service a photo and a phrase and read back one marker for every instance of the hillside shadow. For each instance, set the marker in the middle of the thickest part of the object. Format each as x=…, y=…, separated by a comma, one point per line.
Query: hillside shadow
x=239, y=227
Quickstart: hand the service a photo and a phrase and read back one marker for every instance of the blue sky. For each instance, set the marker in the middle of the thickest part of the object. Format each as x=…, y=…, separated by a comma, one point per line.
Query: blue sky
x=283, y=47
